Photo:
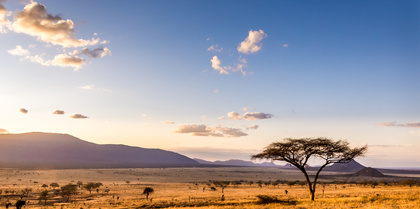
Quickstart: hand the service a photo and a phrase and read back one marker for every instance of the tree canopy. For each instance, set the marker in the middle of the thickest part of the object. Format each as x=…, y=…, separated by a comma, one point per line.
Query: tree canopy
x=298, y=151
x=147, y=191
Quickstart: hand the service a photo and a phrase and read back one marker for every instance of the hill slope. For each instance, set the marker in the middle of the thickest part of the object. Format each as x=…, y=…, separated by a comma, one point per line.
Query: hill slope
x=48, y=150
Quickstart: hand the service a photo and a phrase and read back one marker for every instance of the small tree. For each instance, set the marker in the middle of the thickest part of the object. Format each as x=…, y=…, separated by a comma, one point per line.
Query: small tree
x=54, y=185
x=222, y=184
x=26, y=191
x=79, y=183
x=67, y=191
x=298, y=151
x=147, y=191
x=43, y=196
x=91, y=186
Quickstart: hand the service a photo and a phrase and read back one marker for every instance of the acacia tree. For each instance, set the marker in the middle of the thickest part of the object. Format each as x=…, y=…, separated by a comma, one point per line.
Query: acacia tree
x=147, y=191
x=91, y=185
x=222, y=184
x=298, y=151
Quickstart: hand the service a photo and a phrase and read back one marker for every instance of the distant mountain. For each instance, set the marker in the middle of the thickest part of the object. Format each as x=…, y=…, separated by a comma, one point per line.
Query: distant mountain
x=241, y=163
x=50, y=150
x=351, y=166
x=369, y=172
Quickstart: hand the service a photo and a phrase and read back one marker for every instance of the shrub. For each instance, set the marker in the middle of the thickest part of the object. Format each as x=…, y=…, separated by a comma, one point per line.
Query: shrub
x=409, y=182
x=266, y=199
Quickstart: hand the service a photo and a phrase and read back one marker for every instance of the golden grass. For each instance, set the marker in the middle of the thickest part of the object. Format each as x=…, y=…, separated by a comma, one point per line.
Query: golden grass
x=174, y=190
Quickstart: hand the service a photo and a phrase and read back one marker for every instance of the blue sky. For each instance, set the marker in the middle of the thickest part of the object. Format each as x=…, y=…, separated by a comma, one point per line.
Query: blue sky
x=141, y=72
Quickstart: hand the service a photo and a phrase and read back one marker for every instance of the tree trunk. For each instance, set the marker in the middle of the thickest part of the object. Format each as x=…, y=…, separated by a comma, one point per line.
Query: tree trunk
x=311, y=191
x=313, y=195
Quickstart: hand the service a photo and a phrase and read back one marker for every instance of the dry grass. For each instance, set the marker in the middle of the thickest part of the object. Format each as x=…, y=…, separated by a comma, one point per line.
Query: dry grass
x=183, y=187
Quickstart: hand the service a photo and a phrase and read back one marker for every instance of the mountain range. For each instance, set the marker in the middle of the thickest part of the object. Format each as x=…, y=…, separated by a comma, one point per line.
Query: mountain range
x=50, y=150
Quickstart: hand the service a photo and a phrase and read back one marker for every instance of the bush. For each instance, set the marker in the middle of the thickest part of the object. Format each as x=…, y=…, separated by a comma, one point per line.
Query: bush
x=266, y=199
x=409, y=182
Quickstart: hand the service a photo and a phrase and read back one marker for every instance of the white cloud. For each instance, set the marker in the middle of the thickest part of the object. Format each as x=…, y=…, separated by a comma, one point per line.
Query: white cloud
x=88, y=87
x=285, y=45
x=215, y=64
x=395, y=124
x=168, y=122
x=58, y=112
x=93, y=87
x=78, y=116
x=234, y=115
x=240, y=67
x=61, y=60
x=19, y=51
x=253, y=127
x=204, y=130
x=65, y=60
x=252, y=43
x=35, y=21
x=23, y=110
x=247, y=115
x=215, y=48
x=4, y=23
x=246, y=109
x=256, y=115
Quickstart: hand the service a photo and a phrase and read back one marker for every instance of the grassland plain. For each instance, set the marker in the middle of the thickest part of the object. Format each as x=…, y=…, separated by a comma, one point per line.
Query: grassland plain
x=191, y=188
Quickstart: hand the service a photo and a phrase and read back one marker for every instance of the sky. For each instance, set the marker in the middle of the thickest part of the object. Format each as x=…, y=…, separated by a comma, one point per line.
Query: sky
x=215, y=80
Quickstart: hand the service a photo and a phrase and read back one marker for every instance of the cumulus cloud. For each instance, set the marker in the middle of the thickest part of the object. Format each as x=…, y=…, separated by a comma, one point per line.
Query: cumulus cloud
x=35, y=21
x=256, y=115
x=252, y=43
x=4, y=23
x=204, y=130
x=65, y=60
x=58, y=112
x=23, y=110
x=395, y=124
x=19, y=51
x=247, y=116
x=240, y=67
x=78, y=116
x=234, y=115
x=88, y=87
x=252, y=127
x=215, y=48
x=168, y=122
x=215, y=64
x=3, y=131
x=247, y=109
x=62, y=60
x=95, y=53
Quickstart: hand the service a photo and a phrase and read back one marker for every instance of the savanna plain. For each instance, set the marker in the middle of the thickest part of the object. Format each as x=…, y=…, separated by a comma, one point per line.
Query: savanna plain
x=212, y=187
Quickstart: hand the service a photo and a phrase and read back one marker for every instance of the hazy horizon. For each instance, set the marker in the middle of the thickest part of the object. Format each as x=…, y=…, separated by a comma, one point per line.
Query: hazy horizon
x=215, y=80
